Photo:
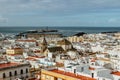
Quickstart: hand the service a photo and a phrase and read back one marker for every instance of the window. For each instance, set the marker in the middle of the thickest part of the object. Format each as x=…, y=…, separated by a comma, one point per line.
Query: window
x=26, y=76
x=21, y=71
x=4, y=76
x=15, y=73
x=26, y=70
x=82, y=69
x=74, y=70
x=92, y=75
x=92, y=63
x=10, y=74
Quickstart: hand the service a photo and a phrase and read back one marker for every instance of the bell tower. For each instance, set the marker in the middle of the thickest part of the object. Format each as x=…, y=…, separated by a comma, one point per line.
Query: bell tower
x=43, y=45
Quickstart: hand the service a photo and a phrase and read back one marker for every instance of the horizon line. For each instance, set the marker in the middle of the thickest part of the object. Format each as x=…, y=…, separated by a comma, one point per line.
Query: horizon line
x=59, y=26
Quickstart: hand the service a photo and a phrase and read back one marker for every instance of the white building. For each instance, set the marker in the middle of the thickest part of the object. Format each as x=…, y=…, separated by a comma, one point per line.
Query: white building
x=11, y=71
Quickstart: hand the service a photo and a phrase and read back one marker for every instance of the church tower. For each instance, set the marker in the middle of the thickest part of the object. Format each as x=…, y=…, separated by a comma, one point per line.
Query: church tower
x=43, y=45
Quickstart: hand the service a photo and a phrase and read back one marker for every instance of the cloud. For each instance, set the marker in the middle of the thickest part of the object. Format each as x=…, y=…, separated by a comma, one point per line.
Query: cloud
x=57, y=6
x=96, y=12
x=3, y=20
x=114, y=20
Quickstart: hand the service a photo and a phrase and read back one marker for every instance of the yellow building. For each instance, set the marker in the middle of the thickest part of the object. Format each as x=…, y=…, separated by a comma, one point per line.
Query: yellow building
x=117, y=35
x=14, y=51
x=75, y=39
x=61, y=75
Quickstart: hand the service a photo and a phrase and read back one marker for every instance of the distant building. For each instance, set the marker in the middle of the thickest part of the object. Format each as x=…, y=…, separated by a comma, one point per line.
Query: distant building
x=14, y=51
x=56, y=74
x=27, y=42
x=65, y=44
x=38, y=35
x=51, y=52
x=1, y=36
x=76, y=39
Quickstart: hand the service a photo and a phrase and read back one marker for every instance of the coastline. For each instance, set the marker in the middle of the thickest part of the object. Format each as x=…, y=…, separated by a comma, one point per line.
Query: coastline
x=67, y=31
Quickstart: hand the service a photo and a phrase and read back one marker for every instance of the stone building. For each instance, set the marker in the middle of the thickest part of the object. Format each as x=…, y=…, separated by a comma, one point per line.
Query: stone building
x=65, y=44
x=43, y=45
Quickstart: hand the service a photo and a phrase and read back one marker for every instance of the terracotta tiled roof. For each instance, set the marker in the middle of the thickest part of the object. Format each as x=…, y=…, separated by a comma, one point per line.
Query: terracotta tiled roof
x=72, y=75
x=31, y=59
x=17, y=48
x=93, y=60
x=15, y=54
x=10, y=65
x=39, y=56
x=7, y=65
x=116, y=73
x=26, y=40
x=91, y=68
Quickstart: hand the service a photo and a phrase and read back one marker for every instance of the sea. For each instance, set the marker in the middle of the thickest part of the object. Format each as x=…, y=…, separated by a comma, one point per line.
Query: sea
x=66, y=31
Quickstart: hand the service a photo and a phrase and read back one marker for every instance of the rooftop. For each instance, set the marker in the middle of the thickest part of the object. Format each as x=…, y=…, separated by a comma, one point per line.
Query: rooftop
x=16, y=48
x=5, y=65
x=72, y=75
x=27, y=40
x=91, y=68
x=15, y=54
x=54, y=49
x=10, y=65
x=116, y=73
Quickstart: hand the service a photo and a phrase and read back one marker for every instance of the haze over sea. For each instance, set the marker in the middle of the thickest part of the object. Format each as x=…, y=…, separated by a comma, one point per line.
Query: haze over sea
x=67, y=31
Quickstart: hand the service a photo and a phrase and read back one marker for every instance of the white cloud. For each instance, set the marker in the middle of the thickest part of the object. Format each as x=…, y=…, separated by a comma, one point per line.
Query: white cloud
x=22, y=5
x=3, y=20
x=113, y=21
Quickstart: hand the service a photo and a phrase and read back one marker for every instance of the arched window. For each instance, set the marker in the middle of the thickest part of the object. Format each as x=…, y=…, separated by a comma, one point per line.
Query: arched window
x=21, y=71
x=4, y=76
x=26, y=70
x=15, y=73
x=10, y=74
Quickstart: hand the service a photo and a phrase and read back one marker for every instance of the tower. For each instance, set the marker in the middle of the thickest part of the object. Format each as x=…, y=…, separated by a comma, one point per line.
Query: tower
x=43, y=45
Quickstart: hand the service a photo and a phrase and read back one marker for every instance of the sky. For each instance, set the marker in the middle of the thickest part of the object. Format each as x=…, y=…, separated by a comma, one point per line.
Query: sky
x=93, y=13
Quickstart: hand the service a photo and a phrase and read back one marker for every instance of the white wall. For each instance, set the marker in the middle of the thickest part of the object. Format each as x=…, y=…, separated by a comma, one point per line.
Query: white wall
x=18, y=69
